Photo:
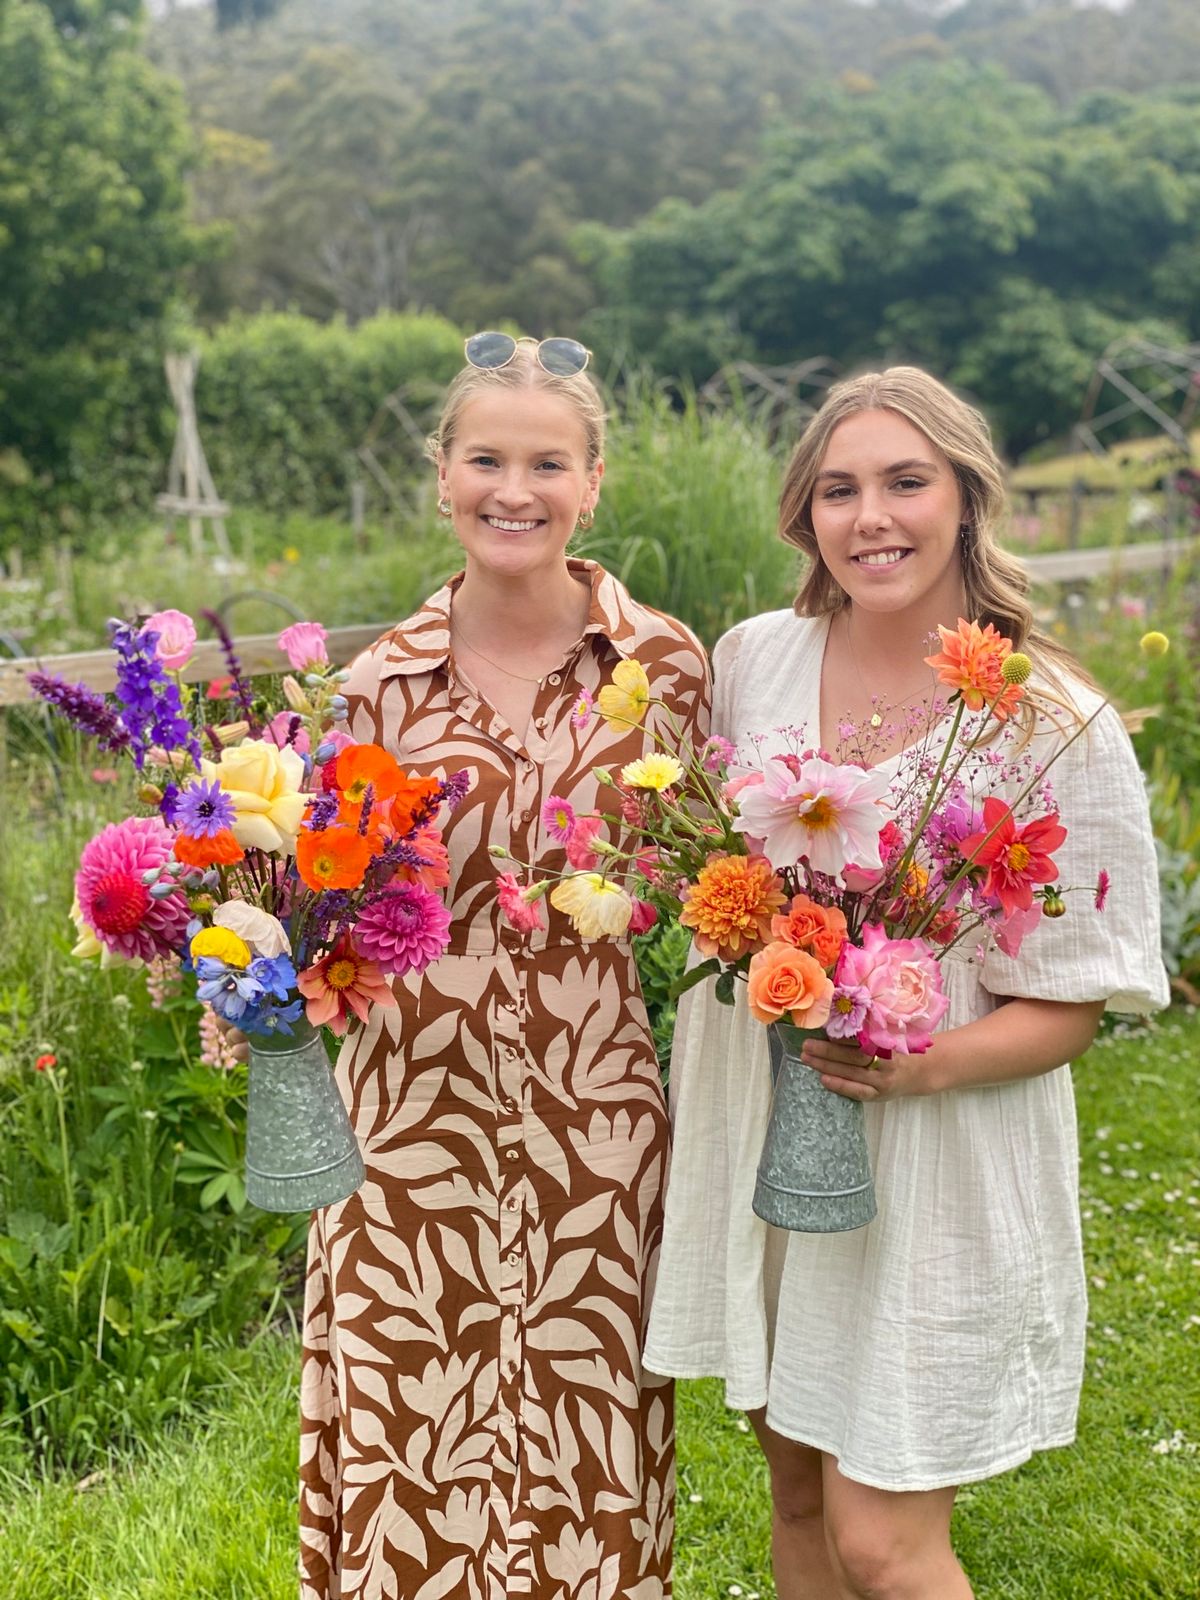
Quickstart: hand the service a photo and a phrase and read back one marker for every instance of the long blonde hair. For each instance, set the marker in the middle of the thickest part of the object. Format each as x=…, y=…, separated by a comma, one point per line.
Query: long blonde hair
x=996, y=584
x=524, y=371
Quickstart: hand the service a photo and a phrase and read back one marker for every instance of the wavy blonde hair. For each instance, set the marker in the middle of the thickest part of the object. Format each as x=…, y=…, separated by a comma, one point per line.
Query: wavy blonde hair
x=524, y=371
x=996, y=583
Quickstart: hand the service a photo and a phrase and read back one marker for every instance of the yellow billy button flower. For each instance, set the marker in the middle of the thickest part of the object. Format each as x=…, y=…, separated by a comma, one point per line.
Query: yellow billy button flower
x=623, y=702
x=1016, y=668
x=1155, y=644
x=655, y=771
x=221, y=944
x=597, y=909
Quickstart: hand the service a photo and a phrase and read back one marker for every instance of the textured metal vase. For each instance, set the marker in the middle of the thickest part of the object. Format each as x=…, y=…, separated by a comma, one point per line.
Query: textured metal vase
x=814, y=1175
x=301, y=1152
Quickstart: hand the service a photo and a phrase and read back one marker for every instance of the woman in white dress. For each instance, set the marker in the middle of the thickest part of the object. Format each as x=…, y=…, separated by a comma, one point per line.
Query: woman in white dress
x=943, y=1343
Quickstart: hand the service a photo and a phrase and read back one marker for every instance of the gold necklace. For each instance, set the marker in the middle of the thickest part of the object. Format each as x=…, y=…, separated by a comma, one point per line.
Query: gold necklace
x=876, y=718
x=475, y=650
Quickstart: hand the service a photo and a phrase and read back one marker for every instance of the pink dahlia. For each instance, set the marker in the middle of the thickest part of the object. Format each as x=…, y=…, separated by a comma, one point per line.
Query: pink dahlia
x=116, y=904
x=403, y=929
x=813, y=810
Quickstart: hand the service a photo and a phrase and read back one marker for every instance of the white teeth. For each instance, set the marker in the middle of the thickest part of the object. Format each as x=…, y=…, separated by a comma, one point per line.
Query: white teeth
x=509, y=527
x=882, y=558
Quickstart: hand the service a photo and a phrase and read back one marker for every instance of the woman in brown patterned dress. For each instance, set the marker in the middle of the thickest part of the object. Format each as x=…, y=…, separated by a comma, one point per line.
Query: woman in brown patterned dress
x=475, y=1418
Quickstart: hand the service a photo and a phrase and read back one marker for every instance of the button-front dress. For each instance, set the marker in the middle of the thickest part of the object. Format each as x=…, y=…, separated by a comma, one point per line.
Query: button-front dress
x=943, y=1342
x=475, y=1418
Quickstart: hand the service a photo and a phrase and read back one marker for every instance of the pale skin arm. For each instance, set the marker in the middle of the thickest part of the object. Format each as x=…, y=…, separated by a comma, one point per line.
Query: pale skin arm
x=1019, y=1039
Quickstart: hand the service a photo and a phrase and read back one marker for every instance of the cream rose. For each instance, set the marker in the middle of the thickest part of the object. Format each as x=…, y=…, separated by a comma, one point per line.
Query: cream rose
x=263, y=782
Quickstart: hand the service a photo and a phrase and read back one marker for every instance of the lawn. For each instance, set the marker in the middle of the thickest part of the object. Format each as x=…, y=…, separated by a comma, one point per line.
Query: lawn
x=207, y=1513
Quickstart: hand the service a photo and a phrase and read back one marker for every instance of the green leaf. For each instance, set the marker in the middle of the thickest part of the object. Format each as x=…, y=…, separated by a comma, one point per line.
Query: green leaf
x=689, y=980
x=723, y=989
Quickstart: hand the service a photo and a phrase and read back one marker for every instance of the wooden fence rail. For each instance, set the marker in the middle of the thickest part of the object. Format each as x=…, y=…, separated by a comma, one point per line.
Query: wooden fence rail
x=258, y=653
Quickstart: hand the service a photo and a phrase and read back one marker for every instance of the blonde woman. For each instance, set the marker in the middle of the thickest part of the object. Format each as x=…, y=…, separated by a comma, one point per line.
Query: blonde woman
x=942, y=1343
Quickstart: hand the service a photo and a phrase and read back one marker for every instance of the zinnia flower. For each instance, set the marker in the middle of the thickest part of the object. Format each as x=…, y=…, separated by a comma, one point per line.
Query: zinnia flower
x=624, y=702
x=114, y=902
x=403, y=929
x=264, y=784
x=340, y=983
x=334, y=858
x=904, y=982
x=304, y=645
x=816, y=811
x=520, y=913
x=656, y=771
x=1016, y=858
x=971, y=663
x=731, y=904
x=821, y=930
x=558, y=818
x=176, y=637
x=597, y=908
x=788, y=982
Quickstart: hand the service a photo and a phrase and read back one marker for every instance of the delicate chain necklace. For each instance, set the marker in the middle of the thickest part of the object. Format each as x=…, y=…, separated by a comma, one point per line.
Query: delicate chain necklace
x=521, y=677
x=876, y=718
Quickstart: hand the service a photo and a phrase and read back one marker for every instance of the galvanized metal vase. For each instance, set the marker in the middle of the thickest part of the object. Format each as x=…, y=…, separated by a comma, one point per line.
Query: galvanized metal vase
x=814, y=1175
x=301, y=1152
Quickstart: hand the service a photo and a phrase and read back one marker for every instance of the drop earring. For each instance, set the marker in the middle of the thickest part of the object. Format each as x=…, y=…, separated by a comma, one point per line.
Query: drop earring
x=444, y=508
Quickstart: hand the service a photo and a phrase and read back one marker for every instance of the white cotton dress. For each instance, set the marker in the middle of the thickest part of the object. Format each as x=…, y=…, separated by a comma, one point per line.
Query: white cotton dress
x=943, y=1342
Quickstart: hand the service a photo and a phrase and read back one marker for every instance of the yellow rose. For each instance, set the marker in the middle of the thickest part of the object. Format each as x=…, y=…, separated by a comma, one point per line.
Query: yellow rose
x=597, y=909
x=623, y=702
x=263, y=782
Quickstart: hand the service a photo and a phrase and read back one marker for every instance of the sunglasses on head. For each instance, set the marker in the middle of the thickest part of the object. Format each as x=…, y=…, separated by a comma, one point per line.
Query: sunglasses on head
x=561, y=358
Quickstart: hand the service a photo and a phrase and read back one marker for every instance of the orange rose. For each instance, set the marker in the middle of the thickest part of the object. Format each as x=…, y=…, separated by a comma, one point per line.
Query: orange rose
x=821, y=930
x=786, y=982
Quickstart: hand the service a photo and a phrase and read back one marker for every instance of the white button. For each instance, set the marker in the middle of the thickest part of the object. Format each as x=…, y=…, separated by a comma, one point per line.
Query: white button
x=511, y=1203
x=555, y=678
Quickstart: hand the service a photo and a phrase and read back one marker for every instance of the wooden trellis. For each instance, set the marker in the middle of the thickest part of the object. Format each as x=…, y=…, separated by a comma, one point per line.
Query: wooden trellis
x=191, y=492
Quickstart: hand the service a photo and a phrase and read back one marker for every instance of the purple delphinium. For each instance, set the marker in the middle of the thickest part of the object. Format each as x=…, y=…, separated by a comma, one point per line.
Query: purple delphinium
x=241, y=689
x=169, y=804
x=87, y=711
x=848, y=1011
x=204, y=810
x=151, y=709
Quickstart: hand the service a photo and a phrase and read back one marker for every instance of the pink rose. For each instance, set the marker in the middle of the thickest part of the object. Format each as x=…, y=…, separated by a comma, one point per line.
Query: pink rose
x=904, y=982
x=514, y=907
x=579, y=852
x=304, y=645
x=644, y=917
x=176, y=638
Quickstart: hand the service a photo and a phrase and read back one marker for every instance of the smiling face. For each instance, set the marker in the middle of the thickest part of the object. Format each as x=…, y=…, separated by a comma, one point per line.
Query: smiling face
x=517, y=479
x=886, y=512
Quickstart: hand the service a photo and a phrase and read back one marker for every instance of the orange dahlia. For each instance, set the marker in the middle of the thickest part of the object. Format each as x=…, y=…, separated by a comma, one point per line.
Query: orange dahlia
x=332, y=858
x=731, y=904
x=218, y=850
x=971, y=663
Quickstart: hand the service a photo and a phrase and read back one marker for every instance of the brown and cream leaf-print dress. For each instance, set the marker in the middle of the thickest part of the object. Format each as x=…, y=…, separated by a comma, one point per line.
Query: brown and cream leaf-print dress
x=475, y=1418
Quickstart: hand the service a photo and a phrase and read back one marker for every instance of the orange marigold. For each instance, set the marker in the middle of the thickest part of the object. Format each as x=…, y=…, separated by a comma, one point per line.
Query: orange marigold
x=971, y=663
x=731, y=904
x=333, y=858
x=219, y=850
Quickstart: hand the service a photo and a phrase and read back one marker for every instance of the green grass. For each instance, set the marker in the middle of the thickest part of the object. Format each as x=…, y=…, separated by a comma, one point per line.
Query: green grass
x=209, y=1513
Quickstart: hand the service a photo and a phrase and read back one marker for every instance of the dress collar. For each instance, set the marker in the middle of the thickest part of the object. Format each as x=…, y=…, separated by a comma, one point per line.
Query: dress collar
x=421, y=643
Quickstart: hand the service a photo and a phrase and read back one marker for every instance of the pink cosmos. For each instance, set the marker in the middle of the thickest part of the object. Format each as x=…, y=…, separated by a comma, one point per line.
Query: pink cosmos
x=518, y=912
x=644, y=917
x=403, y=929
x=579, y=844
x=1016, y=928
x=904, y=983
x=847, y=1011
x=176, y=637
x=817, y=811
x=304, y=645
x=558, y=818
x=581, y=711
x=115, y=903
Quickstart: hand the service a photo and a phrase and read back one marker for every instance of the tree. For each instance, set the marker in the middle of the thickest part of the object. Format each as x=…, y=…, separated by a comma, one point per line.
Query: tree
x=92, y=236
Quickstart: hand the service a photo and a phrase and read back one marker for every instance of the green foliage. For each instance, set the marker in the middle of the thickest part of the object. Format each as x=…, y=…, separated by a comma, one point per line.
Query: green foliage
x=92, y=238
x=661, y=955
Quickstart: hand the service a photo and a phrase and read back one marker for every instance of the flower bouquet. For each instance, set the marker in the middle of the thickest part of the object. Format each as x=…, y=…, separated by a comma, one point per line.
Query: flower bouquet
x=293, y=871
x=834, y=888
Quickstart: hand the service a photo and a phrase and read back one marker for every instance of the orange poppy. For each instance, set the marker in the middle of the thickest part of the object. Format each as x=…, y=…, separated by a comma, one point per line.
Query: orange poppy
x=360, y=766
x=218, y=850
x=412, y=804
x=334, y=858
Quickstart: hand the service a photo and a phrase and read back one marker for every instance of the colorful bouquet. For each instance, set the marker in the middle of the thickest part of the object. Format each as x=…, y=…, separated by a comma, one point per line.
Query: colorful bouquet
x=836, y=888
x=294, y=871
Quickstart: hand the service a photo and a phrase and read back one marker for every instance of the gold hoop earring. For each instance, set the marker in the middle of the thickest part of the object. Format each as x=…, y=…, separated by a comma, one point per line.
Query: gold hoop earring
x=444, y=508
x=586, y=518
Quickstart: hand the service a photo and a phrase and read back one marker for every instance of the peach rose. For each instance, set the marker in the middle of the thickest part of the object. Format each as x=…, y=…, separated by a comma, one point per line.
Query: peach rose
x=786, y=982
x=821, y=930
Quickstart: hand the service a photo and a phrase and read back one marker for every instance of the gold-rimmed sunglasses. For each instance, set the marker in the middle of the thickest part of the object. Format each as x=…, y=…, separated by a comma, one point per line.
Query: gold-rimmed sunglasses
x=561, y=358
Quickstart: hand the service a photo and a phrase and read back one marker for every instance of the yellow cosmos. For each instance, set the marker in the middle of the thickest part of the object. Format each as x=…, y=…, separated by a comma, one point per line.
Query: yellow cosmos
x=597, y=909
x=654, y=771
x=623, y=702
x=222, y=944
